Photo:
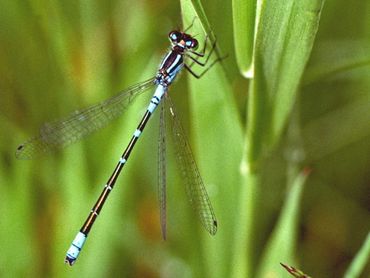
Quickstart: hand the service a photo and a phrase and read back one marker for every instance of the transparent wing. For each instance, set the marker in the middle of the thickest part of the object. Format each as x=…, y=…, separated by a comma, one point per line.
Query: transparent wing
x=162, y=186
x=195, y=189
x=81, y=123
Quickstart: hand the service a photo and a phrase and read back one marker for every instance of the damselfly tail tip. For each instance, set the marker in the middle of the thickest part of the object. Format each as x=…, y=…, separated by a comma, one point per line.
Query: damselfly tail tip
x=69, y=260
x=75, y=248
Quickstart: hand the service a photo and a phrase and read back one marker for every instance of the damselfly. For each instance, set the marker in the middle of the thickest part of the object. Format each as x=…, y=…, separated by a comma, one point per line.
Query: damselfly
x=81, y=123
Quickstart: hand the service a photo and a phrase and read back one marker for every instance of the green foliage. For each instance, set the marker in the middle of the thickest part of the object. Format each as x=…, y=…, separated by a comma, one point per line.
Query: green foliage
x=282, y=243
x=359, y=262
x=284, y=40
x=307, y=106
x=244, y=18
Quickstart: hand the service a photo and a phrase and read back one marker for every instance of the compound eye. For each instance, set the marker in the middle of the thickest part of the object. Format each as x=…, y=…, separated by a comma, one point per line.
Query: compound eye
x=192, y=43
x=174, y=36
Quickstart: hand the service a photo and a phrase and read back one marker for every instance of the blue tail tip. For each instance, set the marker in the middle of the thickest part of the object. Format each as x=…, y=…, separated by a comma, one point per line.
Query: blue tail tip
x=69, y=260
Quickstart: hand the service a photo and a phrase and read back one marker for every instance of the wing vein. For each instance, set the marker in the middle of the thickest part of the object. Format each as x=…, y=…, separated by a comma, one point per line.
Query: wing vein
x=80, y=124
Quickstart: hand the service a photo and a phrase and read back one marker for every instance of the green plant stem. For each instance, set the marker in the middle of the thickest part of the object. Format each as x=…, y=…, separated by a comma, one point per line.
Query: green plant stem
x=244, y=232
x=360, y=261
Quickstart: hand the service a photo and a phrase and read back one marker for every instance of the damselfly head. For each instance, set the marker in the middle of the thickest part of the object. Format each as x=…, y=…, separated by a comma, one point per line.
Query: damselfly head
x=182, y=39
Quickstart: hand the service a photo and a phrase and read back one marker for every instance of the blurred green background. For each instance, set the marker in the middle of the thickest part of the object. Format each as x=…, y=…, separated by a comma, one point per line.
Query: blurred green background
x=59, y=56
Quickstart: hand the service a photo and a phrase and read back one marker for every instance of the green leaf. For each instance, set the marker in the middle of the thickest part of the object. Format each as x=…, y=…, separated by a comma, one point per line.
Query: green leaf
x=336, y=56
x=354, y=121
x=285, y=36
x=244, y=18
x=281, y=245
x=217, y=134
x=284, y=39
x=359, y=262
